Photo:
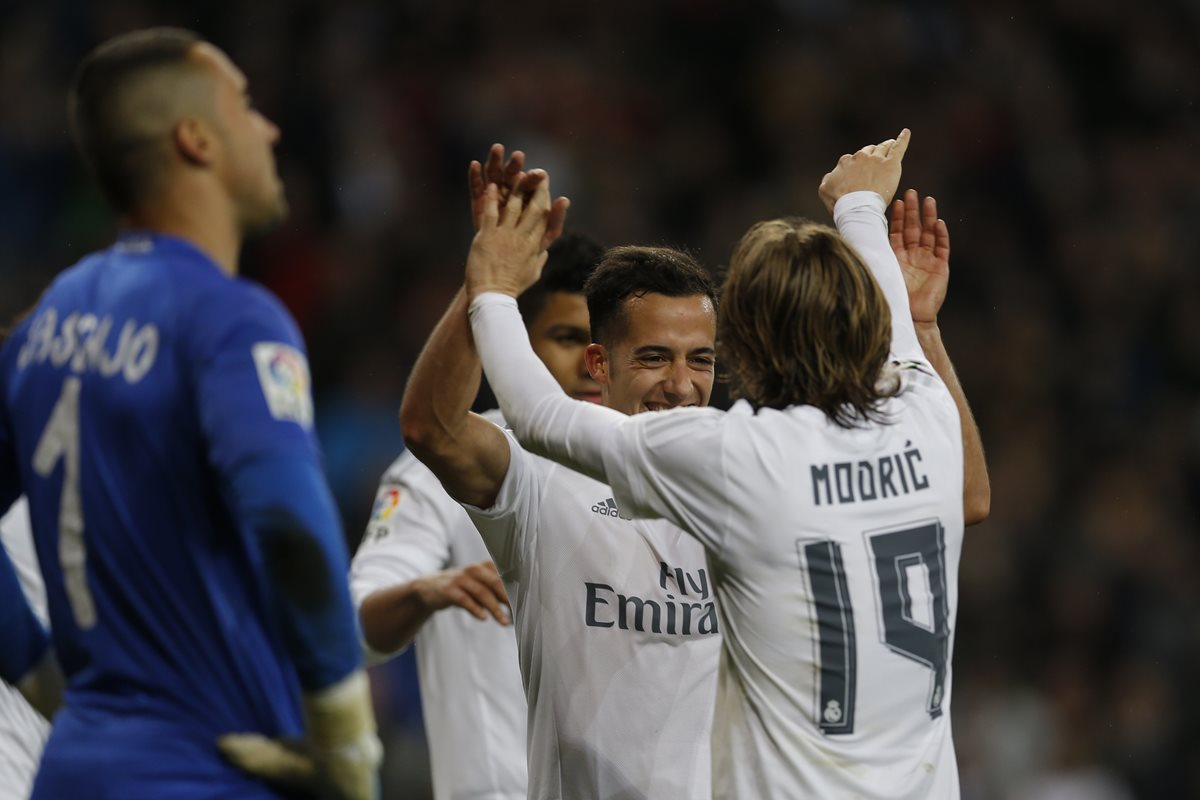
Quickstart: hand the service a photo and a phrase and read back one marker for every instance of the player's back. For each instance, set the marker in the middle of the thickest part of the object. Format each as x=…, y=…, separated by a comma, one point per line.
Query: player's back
x=835, y=554
x=842, y=551
x=112, y=389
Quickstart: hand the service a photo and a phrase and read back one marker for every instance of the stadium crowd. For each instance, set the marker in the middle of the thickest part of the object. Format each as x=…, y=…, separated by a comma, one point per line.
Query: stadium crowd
x=1059, y=138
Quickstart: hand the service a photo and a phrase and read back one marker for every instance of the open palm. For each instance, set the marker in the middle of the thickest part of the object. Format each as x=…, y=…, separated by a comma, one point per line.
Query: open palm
x=921, y=243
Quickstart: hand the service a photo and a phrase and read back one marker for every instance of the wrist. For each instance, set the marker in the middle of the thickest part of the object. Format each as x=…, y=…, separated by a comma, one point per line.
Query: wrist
x=475, y=288
x=928, y=329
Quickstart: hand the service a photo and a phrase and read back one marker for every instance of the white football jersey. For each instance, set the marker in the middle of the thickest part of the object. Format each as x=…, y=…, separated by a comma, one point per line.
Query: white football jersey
x=471, y=693
x=618, y=636
x=23, y=731
x=835, y=553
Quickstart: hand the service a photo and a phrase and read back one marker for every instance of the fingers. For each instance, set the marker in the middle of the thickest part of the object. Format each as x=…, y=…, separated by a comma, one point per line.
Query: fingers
x=475, y=183
x=539, y=205
x=901, y=146
x=481, y=592
x=266, y=758
x=514, y=167
x=928, y=222
x=555, y=221
x=459, y=596
x=530, y=181
x=941, y=240
x=493, y=169
x=476, y=187
x=896, y=225
x=487, y=574
x=512, y=209
x=912, y=219
x=491, y=207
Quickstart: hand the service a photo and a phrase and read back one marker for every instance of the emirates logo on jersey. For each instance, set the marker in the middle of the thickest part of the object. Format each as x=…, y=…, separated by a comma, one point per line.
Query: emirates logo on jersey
x=671, y=611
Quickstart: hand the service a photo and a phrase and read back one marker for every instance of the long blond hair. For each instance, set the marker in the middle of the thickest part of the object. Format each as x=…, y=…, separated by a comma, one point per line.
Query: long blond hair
x=802, y=321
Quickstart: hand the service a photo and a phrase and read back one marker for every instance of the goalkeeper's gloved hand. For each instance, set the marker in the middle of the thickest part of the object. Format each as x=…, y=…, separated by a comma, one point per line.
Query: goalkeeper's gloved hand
x=43, y=685
x=342, y=754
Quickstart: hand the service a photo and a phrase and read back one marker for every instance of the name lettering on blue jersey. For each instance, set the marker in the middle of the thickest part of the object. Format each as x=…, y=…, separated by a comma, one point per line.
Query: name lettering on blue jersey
x=81, y=343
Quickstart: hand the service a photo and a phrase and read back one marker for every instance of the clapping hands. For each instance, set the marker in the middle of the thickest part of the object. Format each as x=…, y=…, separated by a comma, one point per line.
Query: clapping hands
x=515, y=221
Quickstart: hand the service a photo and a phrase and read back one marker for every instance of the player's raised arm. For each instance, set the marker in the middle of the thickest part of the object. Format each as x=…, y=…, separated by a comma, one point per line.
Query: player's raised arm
x=857, y=191
x=506, y=259
x=469, y=454
x=921, y=243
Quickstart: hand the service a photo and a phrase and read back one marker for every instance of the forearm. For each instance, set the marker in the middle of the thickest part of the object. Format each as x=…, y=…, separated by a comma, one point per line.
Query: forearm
x=443, y=383
x=859, y=217
x=977, y=492
x=544, y=419
x=467, y=453
x=286, y=507
x=392, y=617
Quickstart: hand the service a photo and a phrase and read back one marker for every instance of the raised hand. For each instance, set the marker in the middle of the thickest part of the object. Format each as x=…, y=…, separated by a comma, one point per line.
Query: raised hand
x=509, y=251
x=475, y=587
x=921, y=243
x=509, y=177
x=874, y=168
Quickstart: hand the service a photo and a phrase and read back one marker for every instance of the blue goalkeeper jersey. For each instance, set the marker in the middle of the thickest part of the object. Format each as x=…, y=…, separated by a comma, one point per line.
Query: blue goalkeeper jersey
x=141, y=380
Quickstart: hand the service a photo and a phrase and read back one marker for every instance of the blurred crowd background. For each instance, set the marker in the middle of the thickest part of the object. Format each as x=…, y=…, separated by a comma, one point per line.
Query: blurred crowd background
x=1061, y=138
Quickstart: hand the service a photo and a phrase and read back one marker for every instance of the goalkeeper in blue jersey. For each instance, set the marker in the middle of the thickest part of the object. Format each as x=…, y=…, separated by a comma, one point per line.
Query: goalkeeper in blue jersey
x=156, y=410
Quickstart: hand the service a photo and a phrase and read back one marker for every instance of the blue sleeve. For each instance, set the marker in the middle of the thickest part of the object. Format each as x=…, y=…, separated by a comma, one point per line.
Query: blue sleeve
x=254, y=399
x=251, y=378
x=286, y=505
x=25, y=640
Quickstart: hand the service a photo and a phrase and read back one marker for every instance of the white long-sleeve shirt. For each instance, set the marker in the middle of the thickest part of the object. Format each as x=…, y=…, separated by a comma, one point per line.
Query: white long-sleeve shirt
x=23, y=731
x=618, y=637
x=471, y=693
x=835, y=552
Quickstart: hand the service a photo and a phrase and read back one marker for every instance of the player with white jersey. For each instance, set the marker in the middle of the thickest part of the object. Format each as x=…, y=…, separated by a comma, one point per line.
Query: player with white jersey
x=422, y=554
x=832, y=504
x=23, y=730
x=617, y=629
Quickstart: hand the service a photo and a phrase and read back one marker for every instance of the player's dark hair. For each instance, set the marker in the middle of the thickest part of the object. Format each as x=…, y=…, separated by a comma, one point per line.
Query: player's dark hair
x=636, y=272
x=124, y=159
x=573, y=257
x=804, y=322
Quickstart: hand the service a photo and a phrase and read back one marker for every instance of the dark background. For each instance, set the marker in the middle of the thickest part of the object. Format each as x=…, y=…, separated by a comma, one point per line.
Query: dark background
x=1060, y=138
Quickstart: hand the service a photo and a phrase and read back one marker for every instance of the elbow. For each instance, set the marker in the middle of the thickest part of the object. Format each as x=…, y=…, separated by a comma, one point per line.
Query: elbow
x=422, y=435
x=977, y=507
x=371, y=639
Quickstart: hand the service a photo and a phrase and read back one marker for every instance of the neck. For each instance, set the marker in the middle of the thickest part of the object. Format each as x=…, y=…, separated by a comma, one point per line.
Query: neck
x=198, y=212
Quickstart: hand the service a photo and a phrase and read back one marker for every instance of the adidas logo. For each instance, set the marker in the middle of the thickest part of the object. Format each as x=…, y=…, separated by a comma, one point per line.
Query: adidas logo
x=607, y=508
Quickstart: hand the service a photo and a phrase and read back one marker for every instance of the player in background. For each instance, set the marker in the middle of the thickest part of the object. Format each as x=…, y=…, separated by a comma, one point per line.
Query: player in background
x=421, y=554
x=23, y=730
x=831, y=501
x=156, y=410
x=615, y=620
